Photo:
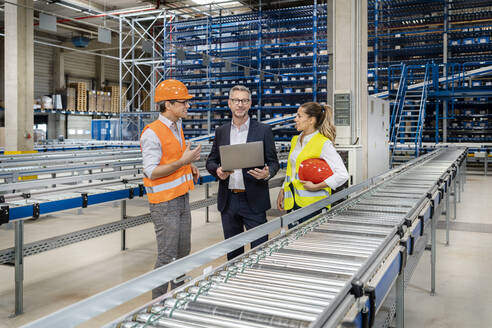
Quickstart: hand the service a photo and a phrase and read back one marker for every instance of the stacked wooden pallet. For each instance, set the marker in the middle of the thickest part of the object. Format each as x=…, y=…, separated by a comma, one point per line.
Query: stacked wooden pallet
x=144, y=101
x=115, y=98
x=81, y=96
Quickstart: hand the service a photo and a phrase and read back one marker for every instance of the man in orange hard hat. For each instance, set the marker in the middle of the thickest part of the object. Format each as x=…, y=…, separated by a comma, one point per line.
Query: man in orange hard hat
x=169, y=175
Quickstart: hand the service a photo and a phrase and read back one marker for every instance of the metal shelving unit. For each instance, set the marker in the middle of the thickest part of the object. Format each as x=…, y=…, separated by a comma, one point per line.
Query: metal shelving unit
x=452, y=36
x=281, y=55
x=416, y=32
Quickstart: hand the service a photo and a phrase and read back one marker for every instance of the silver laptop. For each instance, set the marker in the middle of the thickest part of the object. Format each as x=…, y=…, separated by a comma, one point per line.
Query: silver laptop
x=241, y=156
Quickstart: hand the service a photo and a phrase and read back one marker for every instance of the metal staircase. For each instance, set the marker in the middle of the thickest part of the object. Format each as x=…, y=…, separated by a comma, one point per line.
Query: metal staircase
x=408, y=114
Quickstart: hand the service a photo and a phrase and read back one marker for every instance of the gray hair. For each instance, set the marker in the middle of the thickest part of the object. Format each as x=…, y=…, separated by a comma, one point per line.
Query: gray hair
x=239, y=88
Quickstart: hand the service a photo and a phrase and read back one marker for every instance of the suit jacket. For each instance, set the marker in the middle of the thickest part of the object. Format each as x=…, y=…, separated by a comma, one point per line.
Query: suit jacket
x=257, y=191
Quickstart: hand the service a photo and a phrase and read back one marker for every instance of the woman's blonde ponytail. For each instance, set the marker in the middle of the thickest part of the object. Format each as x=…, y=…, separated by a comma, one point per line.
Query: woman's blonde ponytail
x=327, y=126
x=324, y=118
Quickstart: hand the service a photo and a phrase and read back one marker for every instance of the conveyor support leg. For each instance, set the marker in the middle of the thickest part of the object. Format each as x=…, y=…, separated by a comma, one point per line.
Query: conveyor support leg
x=457, y=183
x=207, y=195
x=464, y=174
x=455, y=192
x=400, y=300
x=448, y=191
x=433, y=249
x=19, y=267
x=123, y=231
x=486, y=164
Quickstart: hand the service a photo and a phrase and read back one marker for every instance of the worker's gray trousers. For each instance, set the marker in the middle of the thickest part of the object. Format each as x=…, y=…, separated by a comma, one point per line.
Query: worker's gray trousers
x=172, y=223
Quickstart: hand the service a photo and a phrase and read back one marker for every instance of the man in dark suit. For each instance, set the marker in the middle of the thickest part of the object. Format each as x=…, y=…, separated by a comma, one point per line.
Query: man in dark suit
x=243, y=197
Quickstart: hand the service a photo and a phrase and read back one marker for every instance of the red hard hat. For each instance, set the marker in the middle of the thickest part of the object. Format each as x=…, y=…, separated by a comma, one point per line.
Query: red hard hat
x=315, y=170
x=171, y=90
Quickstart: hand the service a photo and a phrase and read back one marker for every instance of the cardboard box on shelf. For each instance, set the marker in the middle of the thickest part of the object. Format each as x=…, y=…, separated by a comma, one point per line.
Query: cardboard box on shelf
x=46, y=102
x=100, y=101
x=92, y=101
x=2, y=136
x=70, y=94
x=106, y=102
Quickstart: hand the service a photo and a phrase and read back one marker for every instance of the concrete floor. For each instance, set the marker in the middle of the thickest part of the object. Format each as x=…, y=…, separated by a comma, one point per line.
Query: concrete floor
x=61, y=277
x=463, y=292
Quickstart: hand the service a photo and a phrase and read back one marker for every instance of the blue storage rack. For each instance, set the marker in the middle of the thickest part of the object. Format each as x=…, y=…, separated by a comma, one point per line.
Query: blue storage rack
x=468, y=103
x=411, y=32
x=280, y=54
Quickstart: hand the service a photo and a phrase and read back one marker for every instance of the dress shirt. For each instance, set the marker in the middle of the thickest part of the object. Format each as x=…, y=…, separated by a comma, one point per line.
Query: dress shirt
x=151, y=145
x=239, y=135
x=329, y=154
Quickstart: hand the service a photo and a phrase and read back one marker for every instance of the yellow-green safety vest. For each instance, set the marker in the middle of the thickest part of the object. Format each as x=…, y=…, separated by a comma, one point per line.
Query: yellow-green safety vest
x=302, y=196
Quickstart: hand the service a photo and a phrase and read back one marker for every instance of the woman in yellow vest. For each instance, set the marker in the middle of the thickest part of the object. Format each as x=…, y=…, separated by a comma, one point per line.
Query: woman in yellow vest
x=315, y=122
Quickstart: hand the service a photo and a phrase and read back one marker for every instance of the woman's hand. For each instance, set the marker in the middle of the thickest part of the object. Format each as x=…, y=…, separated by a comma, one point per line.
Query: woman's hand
x=280, y=200
x=308, y=185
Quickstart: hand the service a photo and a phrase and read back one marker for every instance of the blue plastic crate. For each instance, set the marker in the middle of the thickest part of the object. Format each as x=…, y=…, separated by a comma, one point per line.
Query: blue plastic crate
x=483, y=39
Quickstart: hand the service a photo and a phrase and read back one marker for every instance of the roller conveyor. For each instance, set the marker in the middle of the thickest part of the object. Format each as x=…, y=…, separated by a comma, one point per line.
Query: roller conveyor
x=334, y=268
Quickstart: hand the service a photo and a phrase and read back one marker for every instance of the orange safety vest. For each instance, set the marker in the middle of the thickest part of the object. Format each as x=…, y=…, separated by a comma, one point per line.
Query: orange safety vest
x=176, y=184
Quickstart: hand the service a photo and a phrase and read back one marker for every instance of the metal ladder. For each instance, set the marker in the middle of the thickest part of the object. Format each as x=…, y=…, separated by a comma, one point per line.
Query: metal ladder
x=408, y=115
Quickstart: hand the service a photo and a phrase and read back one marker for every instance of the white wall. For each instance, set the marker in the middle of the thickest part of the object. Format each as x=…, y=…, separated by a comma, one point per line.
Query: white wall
x=80, y=65
x=79, y=127
x=43, y=70
x=378, y=136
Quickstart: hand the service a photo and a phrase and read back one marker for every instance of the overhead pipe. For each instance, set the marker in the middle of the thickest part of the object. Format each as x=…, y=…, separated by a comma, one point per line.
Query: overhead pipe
x=50, y=13
x=106, y=15
x=69, y=48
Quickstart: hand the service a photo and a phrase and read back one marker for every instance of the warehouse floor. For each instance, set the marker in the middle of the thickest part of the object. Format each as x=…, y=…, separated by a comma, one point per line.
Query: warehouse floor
x=60, y=277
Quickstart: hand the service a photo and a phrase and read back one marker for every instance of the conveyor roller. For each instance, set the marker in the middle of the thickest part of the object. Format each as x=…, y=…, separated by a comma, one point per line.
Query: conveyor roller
x=308, y=276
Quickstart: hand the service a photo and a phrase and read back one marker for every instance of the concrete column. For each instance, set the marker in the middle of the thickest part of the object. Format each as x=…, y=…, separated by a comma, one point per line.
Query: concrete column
x=51, y=130
x=100, y=72
x=19, y=76
x=59, y=70
x=350, y=69
x=60, y=126
x=2, y=73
